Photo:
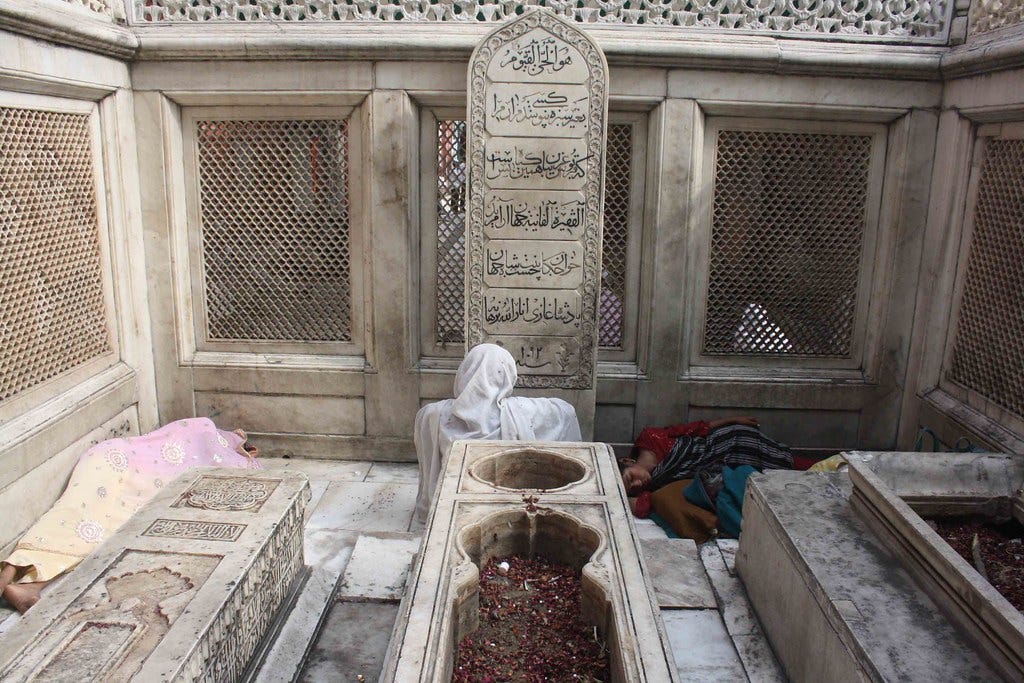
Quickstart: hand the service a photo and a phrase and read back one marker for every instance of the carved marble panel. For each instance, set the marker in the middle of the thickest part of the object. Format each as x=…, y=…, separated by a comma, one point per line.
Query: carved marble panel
x=537, y=126
x=985, y=16
x=546, y=265
x=183, y=592
x=199, y=530
x=539, y=110
x=542, y=355
x=537, y=55
x=531, y=214
x=532, y=312
x=234, y=494
x=114, y=626
x=542, y=164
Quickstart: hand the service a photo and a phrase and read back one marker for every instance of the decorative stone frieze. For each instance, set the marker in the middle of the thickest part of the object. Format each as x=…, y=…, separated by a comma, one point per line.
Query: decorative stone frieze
x=985, y=16
x=884, y=20
x=183, y=592
x=107, y=7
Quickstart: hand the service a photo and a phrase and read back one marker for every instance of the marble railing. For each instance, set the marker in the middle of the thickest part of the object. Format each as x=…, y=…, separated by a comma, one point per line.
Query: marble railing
x=110, y=8
x=990, y=15
x=872, y=20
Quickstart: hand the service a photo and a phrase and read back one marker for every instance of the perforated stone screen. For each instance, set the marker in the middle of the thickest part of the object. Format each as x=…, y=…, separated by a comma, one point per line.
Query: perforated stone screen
x=787, y=231
x=451, y=228
x=451, y=225
x=52, y=310
x=616, y=234
x=274, y=208
x=892, y=20
x=988, y=353
x=985, y=16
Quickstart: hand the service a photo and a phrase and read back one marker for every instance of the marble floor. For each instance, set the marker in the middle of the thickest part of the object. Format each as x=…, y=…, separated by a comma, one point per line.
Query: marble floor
x=360, y=542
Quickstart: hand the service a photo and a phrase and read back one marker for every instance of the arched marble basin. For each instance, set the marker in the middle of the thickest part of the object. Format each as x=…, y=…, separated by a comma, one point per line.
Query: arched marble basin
x=549, y=533
x=528, y=469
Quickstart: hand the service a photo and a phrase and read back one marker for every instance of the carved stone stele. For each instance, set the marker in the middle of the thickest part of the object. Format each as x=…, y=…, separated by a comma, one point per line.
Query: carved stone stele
x=185, y=591
x=538, y=109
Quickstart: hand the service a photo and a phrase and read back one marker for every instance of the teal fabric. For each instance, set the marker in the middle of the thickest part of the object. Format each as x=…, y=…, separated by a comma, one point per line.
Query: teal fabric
x=695, y=494
x=660, y=521
x=729, y=505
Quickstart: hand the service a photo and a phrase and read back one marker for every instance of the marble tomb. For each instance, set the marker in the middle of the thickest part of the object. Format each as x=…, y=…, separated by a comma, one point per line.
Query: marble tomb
x=891, y=492
x=185, y=591
x=562, y=501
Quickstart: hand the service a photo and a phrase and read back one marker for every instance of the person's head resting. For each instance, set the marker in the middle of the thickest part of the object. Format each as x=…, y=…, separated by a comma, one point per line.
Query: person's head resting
x=636, y=469
x=487, y=373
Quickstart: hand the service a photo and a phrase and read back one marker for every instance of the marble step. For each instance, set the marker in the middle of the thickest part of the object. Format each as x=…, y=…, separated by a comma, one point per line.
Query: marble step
x=314, y=641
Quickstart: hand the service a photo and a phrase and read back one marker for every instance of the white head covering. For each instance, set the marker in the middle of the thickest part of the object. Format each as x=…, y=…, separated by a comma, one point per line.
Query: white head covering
x=483, y=408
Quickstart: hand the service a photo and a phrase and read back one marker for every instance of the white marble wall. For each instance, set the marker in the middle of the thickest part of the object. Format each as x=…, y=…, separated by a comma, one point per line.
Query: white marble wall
x=922, y=101
x=974, y=109
x=338, y=405
x=44, y=428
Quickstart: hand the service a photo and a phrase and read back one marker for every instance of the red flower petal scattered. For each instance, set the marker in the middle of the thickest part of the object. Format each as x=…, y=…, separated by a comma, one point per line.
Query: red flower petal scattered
x=530, y=628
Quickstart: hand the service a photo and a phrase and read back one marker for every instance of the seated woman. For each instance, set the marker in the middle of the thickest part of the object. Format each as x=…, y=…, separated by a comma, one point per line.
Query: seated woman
x=662, y=455
x=483, y=408
x=110, y=482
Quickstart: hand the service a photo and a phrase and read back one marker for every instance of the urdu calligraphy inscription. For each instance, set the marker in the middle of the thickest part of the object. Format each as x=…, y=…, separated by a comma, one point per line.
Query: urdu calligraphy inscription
x=195, y=529
x=529, y=215
x=546, y=312
x=542, y=164
x=539, y=110
x=228, y=494
x=537, y=128
x=515, y=263
x=543, y=54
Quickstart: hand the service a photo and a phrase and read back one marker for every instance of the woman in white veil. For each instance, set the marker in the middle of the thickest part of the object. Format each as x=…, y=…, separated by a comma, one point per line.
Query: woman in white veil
x=483, y=408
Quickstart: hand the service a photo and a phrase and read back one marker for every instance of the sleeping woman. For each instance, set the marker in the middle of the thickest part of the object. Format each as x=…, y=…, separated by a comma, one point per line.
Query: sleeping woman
x=662, y=455
x=110, y=482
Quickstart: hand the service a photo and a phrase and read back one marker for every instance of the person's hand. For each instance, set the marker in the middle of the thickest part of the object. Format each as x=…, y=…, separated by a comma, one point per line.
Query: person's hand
x=746, y=421
x=634, y=479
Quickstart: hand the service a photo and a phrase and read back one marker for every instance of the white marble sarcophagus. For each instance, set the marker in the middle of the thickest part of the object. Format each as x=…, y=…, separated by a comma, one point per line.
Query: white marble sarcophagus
x=185, y=591
x=563, y=501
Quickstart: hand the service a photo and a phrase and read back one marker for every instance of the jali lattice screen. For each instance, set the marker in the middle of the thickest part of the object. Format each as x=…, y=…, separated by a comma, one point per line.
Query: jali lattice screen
x=52, y=310
x=618, y=160
x=451, y=225
x=274, y=208
x=988, y=353
x=787, y=231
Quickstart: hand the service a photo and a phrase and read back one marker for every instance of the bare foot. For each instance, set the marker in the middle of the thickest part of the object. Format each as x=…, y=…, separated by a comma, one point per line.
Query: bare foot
x=23, y=595
x=7, y=574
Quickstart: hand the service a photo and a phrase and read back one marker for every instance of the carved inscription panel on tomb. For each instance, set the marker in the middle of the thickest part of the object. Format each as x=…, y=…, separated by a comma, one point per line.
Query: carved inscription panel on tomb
x=538, y=107
x=228, y=494
x=195, y=529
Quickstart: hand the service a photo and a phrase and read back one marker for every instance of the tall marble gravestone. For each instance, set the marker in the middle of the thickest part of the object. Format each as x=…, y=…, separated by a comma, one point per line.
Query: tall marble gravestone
x=538, y=109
